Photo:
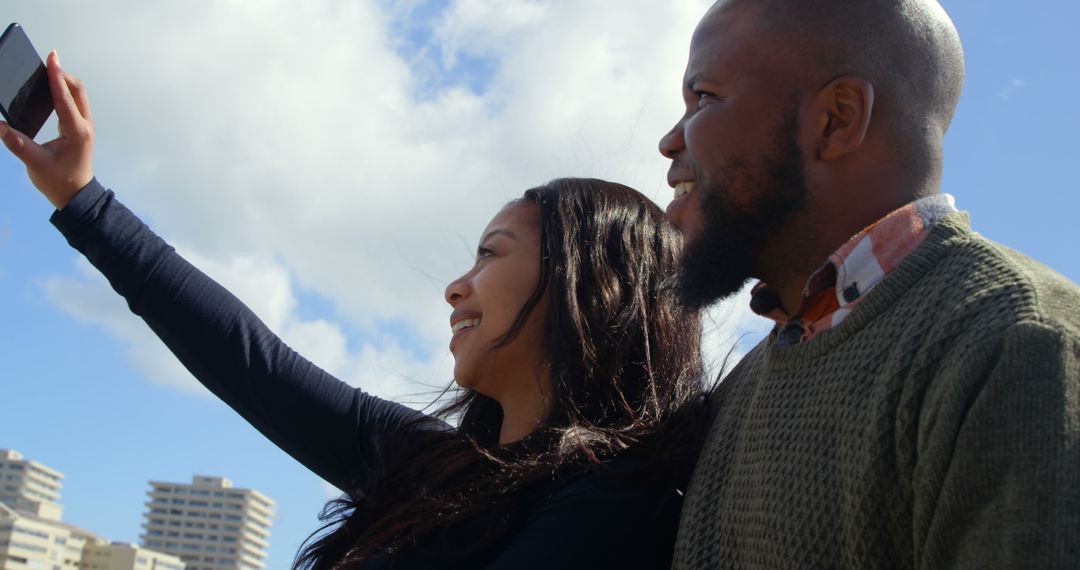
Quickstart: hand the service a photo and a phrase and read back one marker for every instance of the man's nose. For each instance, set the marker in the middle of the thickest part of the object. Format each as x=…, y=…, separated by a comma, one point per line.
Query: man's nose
x=673, y=142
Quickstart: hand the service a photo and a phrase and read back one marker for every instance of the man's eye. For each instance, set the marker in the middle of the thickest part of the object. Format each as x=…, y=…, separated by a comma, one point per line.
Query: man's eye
x=704, y=97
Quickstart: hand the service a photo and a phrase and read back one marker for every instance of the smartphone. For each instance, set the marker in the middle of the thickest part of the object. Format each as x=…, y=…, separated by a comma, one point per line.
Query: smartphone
x=25, y=97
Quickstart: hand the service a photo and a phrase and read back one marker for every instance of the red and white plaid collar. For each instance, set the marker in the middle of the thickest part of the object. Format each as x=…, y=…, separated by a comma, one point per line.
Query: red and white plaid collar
x=834, y=290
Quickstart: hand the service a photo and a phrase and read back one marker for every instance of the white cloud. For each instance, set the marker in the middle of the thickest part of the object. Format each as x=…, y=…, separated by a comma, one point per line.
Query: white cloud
x=91, y=300
x=288, y=145
x=1011, y=88
x=382, y=367
x=489, y=27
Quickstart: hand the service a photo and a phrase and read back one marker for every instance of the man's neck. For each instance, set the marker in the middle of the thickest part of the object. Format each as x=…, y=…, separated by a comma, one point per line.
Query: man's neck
x=790, y=291
x=793, y=262
x=805, y=246
x=810, y=246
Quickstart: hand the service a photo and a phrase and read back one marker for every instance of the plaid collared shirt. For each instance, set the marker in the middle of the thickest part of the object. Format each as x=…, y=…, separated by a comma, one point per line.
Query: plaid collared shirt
x=834, y=290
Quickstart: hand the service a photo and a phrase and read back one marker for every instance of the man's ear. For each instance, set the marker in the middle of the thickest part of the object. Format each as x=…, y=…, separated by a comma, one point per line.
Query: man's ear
x=843, y=109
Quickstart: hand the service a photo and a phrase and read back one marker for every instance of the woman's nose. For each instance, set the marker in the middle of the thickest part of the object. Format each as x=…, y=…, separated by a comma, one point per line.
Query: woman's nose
x=457, y=290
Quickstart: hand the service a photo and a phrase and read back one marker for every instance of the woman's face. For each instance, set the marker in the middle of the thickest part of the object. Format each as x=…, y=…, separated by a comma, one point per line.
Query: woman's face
x=487, y=300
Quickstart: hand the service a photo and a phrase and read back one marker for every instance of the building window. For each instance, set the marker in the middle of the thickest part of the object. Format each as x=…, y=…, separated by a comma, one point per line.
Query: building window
x=36, y=533
x=30, y=547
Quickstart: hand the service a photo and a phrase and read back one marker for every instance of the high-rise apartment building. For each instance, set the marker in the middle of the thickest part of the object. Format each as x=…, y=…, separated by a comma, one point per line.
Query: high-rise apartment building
x=209, y=524
x=33, y=537
x=29, y=486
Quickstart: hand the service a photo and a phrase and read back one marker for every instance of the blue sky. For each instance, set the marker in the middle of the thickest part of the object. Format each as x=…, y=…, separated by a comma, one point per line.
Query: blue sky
x=340, y=221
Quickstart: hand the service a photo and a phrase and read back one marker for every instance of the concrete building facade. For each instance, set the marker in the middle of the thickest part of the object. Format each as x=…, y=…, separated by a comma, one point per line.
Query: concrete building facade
x=29, y=486
x=28, y=541
x=127, y=556
x=209, y=524
x=32, y=536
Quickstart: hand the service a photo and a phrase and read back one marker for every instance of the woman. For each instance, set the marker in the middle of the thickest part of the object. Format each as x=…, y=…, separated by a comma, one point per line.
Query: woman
x=577, y=417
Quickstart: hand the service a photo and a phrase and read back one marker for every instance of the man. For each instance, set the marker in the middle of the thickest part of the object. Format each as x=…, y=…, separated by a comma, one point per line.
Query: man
x=918, y=403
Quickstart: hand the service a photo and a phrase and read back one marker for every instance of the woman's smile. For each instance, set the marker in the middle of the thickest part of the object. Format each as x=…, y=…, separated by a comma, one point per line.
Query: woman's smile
x=487, y=302
x=463, y=324
x=460, y=326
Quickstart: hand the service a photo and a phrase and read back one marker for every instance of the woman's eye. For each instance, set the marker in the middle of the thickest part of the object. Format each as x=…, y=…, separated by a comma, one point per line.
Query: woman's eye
x=483, y=253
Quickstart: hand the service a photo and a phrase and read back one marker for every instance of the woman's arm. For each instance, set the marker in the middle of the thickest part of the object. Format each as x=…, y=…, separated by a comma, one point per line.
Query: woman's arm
x=324, y=423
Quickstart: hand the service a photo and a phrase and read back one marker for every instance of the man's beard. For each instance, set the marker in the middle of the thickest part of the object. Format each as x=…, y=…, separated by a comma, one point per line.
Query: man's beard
x=719, y=261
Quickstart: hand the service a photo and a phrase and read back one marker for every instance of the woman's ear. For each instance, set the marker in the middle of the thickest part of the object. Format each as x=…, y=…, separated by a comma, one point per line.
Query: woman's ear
x=842, y=111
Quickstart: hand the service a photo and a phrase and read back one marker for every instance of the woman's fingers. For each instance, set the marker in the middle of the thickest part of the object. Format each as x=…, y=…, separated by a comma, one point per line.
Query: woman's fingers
x=71, y=119
x=62, y=166
x=23, y=147
x=78, y=93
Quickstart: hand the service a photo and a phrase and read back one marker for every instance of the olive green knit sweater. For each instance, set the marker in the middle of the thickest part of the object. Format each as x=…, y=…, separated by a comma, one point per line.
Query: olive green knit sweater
x=938, y=426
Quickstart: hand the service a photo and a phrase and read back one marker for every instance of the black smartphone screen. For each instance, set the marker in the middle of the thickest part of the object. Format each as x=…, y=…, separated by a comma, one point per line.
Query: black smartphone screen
x=25, y=98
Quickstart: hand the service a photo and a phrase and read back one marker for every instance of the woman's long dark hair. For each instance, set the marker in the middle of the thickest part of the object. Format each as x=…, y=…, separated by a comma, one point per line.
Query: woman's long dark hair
x=626, y=380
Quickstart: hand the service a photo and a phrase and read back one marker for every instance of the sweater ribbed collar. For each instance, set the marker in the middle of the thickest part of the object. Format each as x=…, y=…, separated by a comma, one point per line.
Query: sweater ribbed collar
x=949, y=231
x=853, y=270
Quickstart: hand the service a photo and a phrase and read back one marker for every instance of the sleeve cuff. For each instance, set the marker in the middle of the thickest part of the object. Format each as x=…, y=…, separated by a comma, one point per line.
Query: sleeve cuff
x=81, y=210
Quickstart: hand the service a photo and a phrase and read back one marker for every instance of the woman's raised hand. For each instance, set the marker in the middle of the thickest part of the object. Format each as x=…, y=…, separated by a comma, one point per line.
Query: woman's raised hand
x=63, y=166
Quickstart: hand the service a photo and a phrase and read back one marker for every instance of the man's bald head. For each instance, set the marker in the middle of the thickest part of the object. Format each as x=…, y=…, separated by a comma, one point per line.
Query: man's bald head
x=908, y=50
x=805, y=121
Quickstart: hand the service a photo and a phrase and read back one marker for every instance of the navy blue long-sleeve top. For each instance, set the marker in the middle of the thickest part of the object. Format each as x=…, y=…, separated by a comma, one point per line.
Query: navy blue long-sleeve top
x=588, y=520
